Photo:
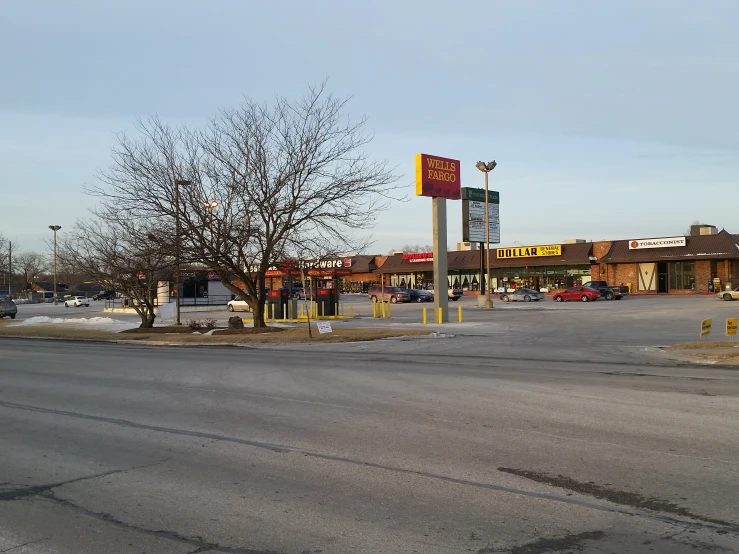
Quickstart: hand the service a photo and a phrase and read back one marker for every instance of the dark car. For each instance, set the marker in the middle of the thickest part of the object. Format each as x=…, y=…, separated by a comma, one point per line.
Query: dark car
x=7, y=307
x=105, y=295
x=419, y=295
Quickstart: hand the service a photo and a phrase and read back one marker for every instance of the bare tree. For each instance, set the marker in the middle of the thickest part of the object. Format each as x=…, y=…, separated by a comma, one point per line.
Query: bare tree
x=30, y=265
x=283, y=178
x=119, y=257
x=412, y=249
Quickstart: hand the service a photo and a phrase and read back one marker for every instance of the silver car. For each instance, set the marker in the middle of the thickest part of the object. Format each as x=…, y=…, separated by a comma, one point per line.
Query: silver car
x=729, y=294
x=522, y=295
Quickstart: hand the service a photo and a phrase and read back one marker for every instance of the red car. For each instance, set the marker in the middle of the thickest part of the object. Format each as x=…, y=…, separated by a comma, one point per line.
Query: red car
x=584, y=294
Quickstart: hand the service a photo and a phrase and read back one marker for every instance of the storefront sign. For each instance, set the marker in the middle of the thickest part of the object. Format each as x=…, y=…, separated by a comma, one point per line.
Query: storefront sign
x=328, y=263
x=529, y=251
x=436, y=176
x=473, y=215
x=419, y=257
x=329, y=272
x=667, y=242
x=731, y=325
x=706, y=327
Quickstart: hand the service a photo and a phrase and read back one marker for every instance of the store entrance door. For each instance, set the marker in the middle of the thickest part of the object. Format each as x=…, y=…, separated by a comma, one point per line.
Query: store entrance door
x=662, y=277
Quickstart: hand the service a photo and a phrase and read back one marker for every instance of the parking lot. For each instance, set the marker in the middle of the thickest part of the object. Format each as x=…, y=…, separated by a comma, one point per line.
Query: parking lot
x=636, y=321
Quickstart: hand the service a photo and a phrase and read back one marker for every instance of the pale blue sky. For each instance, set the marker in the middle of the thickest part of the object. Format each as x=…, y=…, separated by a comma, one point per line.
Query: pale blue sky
x=607, y=119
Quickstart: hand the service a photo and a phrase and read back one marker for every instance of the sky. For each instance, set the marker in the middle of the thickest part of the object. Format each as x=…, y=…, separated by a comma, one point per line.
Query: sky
x=608, y=120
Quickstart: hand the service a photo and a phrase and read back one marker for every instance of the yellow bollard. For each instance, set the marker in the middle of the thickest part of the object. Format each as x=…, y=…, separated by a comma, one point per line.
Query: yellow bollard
x=284, y=311
x=383, y=310
x=388, y=308
x=459, y=314
x=323, y=308
x=439, y=315
x=374, y=309
x=351, y=310
x=337, y=309
x=424, y=316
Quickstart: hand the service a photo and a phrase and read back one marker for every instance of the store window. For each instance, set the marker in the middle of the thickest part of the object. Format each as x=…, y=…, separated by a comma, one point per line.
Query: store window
x=682, y=275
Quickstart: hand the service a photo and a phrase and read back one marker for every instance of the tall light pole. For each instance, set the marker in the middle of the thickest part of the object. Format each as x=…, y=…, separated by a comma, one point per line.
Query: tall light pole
x=55, y=228
x=177, y=184
x=487, y=168
x=212, y=205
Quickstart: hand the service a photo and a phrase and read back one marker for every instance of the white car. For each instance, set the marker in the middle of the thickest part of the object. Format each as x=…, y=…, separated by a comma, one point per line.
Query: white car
x=729, y=294
x=77, y=301
x=238, y=305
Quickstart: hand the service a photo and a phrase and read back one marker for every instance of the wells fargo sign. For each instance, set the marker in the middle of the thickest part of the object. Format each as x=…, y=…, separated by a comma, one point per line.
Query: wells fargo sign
x=530, y=251
x=437, y=176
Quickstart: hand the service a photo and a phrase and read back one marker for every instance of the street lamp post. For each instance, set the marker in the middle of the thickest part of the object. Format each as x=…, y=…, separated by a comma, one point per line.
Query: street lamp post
x=487, y=168
x=177, y=184
x=55, y=228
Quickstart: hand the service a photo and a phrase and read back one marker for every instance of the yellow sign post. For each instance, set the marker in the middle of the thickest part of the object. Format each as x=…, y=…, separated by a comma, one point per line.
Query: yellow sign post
x=731, y=325
x=706, y=327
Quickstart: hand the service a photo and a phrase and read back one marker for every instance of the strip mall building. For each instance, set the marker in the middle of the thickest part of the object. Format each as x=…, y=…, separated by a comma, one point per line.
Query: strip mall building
x=664, y=265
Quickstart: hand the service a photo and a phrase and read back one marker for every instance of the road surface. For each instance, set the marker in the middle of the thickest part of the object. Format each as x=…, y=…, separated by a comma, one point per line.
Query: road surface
x=428, y=446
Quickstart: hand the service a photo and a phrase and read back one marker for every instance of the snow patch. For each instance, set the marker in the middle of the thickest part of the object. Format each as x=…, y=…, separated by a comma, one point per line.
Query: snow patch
x=101, y=323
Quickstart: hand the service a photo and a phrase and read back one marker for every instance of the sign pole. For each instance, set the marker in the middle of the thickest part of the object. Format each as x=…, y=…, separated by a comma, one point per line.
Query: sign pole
x=441, y=286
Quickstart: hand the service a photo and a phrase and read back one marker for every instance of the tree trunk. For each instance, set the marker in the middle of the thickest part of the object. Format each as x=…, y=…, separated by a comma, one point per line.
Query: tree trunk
x=258, y=311
x=147, y=318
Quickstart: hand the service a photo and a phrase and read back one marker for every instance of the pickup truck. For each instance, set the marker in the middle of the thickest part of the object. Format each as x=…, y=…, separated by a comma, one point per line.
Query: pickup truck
x=608, y=292
x=454, y=294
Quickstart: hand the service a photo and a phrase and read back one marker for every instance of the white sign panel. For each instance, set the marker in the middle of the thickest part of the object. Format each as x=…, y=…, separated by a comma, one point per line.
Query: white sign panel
x=324, y=327
x=167, y=311
x=476, y=219
x=666, y=242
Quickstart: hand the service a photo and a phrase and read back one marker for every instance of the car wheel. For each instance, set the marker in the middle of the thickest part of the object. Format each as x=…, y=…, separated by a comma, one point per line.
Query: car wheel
x=505, y=298
x=727, y=296
x=419, y=299
x=374, y=299
x=393, y=299
x=609, y=296
x=455, y=298
x=230, y=308
x=558, y=299
x=12, y=316
x=584, y=298
x=66, y=305
x=527, y=298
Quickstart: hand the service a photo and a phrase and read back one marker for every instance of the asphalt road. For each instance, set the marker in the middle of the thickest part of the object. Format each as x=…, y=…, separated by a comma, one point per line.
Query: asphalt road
x=428, y=446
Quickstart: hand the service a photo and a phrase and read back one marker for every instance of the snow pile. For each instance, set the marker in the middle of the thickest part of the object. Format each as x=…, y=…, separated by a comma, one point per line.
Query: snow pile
x=101, y=323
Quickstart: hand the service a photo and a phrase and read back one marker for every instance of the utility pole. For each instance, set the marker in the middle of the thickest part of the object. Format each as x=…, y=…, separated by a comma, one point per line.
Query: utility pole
x=10, y=267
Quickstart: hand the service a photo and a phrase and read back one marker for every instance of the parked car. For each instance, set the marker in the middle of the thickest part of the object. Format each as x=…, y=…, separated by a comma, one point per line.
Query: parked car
x=418, y=295
x=454, y=294
x=584, y=294
x=302, y=294
x=729, y=294
x=388, y=294
x=7, y=307
x=105, y=295
x=606, y=291
x=238, y=305
x=77, y=301
x=522, y=295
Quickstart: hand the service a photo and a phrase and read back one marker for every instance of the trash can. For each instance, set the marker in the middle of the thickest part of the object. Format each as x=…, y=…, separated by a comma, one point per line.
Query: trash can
x=327, y=301
x=277, y=302
x=710, y=286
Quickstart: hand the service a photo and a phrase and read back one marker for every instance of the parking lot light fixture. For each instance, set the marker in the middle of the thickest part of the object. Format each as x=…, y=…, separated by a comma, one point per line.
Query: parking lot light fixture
x=177, y=184
x=487, y=168
x=55, y=228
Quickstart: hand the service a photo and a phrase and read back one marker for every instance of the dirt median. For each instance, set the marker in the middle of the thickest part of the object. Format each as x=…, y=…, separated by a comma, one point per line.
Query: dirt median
x=272, y=336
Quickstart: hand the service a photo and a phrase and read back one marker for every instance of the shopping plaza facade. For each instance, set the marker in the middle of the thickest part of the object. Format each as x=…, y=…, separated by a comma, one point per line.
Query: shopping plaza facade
x=704, y=261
